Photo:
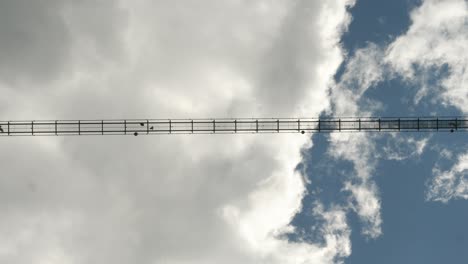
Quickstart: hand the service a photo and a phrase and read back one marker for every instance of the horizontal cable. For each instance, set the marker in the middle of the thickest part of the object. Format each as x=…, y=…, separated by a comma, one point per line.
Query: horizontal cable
x=230, y=126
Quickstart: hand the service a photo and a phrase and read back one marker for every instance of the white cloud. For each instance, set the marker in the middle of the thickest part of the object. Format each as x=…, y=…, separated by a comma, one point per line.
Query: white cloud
x=434, y=42
x=364, y=198
x=362, y=72
x=201, y=199
x=436, y=38
x=403, y=148
x=366, y=203
x=450, y=184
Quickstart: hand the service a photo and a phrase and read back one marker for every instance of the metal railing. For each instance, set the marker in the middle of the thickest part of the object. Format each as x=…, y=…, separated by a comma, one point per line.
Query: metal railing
x=230, y=126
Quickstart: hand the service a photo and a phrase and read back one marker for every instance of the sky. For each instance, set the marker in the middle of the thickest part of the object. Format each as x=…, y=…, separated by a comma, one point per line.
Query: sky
x=288, y=198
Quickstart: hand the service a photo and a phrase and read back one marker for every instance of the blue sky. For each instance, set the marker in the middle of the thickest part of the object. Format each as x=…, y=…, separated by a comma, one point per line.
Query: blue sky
x=414, y=230
x=256, y=198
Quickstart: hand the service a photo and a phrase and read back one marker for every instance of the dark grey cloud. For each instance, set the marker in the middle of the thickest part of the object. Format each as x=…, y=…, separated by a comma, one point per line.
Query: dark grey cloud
x=38, y=38
x=198, y=199
x=34, y=40
x=285, y=66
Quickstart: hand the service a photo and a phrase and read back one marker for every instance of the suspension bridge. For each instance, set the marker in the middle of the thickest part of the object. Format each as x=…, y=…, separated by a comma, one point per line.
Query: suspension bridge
x=137, y=127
